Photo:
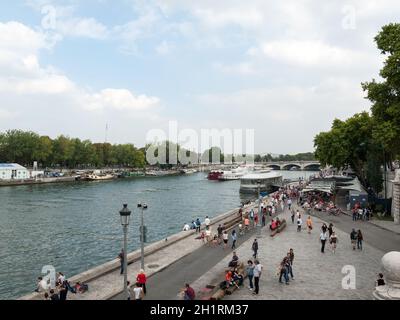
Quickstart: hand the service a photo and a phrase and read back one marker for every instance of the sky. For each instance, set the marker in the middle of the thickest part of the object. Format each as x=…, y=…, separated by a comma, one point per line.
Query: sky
x=285, y=69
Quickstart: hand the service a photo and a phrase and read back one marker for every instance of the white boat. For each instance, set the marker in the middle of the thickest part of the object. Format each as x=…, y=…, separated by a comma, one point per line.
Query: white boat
x=234, y=174
x=95, y=177
x=188, y=171
x=260, y=181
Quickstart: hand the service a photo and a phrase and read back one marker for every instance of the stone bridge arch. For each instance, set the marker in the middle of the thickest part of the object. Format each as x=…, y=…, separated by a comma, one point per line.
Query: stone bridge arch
x=290, y=166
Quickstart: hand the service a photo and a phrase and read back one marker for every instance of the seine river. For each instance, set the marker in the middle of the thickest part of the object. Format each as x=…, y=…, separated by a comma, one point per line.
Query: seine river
x=76, y=226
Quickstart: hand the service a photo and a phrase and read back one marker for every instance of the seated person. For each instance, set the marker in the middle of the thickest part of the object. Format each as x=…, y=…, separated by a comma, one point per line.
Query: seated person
x=278, y=222
x=273, y=225
x=186, y=227
x=237, y=277
x=193, y=225
x=228, y=278
x=234, y=262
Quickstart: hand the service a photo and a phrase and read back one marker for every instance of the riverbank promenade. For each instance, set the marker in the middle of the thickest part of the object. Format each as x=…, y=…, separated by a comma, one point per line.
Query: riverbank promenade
x=317, y=276
x=106, y=282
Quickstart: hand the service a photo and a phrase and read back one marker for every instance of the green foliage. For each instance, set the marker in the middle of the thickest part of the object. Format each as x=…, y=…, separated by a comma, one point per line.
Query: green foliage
x=26, y=147
x=385, y=95
x=364, y=141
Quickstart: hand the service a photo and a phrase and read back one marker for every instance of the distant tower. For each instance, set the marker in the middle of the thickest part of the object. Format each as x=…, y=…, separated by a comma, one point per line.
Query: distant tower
x=106, y=133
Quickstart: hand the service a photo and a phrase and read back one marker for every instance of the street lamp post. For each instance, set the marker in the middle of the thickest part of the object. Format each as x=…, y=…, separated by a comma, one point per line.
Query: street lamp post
x=142, y=233
x=125, y=214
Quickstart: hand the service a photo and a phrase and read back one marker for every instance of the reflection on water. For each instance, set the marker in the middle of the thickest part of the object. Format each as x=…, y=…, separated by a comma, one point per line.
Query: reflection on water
x=77, y=226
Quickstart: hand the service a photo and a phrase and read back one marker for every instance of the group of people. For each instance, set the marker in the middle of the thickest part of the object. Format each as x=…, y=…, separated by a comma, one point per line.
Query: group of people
x=359, y=213
x=328, y=234
x=285, y=268
x=59, y=290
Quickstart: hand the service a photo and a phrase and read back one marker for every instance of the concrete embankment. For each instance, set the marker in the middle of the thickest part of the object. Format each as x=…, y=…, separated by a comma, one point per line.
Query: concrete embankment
x=105, y=280
x=12, y=183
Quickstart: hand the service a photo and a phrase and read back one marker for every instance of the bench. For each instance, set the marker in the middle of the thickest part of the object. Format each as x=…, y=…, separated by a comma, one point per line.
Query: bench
x=220, y=293
x=279, y=229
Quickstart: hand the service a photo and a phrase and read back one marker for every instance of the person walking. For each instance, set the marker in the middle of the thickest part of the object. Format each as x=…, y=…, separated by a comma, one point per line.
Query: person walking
x=257, y=274
x=234, y=238
x=225, y=238
x=207, y=221
x=284, y=271
x=138, y=292
x=250, y=273
x=359, y=239
x=292, y=216
x=142, y=279
x=254, y=247
x=353, y=238
x=309, y=224
x=290, y=265
x=198, y=225
x=333, y=240
x=121, y=258
x=299, y=223
x=324, y=228
x=323, y=236
x=289, y=203
x=220, y=231
x=330, y=229
x=263, y=220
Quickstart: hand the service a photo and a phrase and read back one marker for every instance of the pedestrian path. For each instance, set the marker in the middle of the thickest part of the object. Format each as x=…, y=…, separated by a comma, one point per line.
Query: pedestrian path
x=317, y=275
x=387, y=225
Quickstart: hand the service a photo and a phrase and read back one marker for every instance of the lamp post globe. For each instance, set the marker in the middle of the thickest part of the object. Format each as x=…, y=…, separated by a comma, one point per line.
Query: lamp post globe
x=125, y=214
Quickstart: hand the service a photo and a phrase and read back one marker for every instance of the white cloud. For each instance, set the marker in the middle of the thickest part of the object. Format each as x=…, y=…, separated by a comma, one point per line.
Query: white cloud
x=119, y=99
x=82, y=27
x=313, y=53
x=21, y=75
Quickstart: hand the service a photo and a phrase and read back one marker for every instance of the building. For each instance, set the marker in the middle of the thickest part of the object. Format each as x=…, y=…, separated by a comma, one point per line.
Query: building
x=13, y=171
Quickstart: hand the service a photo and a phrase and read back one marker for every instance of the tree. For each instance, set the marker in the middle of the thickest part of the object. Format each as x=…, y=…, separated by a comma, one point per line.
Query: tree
x=385, y=95
x=346, y=144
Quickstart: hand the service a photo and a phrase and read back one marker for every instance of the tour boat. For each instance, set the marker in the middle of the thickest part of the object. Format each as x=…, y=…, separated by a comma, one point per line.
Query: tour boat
x=214, y=174
x=260, y=182
x=234, y=174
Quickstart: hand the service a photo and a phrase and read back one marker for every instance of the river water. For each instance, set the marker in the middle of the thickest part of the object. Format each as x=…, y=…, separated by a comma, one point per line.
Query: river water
x=76, y=226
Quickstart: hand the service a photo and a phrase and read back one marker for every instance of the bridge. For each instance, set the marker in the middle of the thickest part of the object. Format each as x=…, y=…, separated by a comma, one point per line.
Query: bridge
x=290, y=165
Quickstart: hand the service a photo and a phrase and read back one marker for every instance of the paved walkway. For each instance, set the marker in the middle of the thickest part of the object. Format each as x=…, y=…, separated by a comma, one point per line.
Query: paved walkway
x=387, y=225
x=317, y=275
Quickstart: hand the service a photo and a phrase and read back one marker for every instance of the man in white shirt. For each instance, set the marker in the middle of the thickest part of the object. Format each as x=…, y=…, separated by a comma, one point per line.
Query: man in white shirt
x=186, y=227
x=257, y=274
x=138, y=292
x=299, y=224
x=323, y=236
x=207, y=221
